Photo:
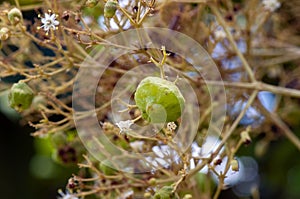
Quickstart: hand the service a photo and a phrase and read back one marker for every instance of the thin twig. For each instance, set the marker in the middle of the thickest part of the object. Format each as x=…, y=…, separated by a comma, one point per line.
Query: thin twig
x=233, y=43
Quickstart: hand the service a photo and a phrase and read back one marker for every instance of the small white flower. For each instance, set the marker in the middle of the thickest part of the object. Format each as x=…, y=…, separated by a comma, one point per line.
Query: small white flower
x=171, y=126
x=220, y=34
x=271, y=5
x=66, y=195
x=124, y=126
x=49, y=22
x=137, y=145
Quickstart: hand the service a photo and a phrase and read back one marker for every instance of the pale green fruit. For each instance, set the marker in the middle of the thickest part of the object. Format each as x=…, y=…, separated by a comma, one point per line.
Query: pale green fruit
x=110, y=8
x=20, y=96
x=159, y=100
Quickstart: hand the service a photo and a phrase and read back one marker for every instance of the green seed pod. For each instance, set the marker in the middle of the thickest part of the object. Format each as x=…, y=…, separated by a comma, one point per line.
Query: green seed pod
x=110, y=8
x=20, y=96
x=107, y=168
x=91, y=3
x=165, y=193
x=14, y=16
x=159, y=100
x=4, y=34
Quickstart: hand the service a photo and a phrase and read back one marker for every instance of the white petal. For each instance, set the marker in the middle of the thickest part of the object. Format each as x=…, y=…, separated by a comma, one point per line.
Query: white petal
x=52, y=27
x=52, y=17
x=43, y=20
x=56, y=23
x=46, y=28
x=47, y=16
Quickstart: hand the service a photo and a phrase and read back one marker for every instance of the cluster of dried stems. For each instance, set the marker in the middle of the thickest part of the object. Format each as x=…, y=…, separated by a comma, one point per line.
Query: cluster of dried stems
x=49, y=63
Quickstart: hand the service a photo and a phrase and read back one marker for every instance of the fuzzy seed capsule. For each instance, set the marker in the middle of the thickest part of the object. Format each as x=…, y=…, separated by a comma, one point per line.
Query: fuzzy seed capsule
x=159, y=100
x=14, y=16
x=110, y=8
x=20, y=96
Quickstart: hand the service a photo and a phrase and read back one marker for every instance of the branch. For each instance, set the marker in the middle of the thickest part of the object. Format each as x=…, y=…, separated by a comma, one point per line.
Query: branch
x=260, y=86
x=285, y=129
x=231, y=40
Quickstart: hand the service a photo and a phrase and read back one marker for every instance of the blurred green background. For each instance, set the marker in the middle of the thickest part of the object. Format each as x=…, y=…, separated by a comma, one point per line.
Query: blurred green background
x=27, y=170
